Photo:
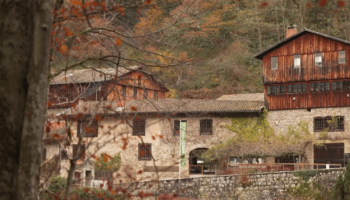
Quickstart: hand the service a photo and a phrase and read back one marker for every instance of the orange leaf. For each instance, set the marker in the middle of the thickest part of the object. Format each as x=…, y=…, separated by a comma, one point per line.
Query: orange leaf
x=47, y=129
x=109, y=167
x=73, y=105
x=121, y=10
x=99, y=195
x=160, y=136
x=118, y=41
x=86, y=190
x=341, y=3
x=56, y=136
x=153, y=138
x=94, y=157
x=64, y=49
x=133, y=108
x=148, y=1
x=75, y=2
x=49, y=104
x=322, y=2
x=97, y=118
x=94, y=3
x=142, y=153
x=139, y=172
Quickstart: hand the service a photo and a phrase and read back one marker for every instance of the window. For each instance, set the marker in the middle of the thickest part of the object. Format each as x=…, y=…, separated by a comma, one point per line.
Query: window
x=139, y=81
x=123, y=92
x=341, y=85
x=145, y=93
x=87, y=129
x=277, y=89
x=319, y=87
x=318, y=59
x=64, y=154
x=176, y=127
x=297, y=88
x=138, y=126
x=297, y=62
x=206, y=127
x=145, y=151
x=81, y=151
x=134, y=95
x=321, y=123
x=287, y=159
x=274, y=62
x=155, y=94
x=341, y=57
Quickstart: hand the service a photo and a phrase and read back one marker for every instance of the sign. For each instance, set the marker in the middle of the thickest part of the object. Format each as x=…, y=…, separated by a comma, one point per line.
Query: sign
x=183, y=125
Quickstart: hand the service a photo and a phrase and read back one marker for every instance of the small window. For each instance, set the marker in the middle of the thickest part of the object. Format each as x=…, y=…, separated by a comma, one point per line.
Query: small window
x=312, y=87
x=145, y=151
x=87, y=129
x=318, y=59
x=139, y=127
x=341, y=57
x=134, y=95
x=290, y=88
x=321, y=123
x=145, y=93
x=64, y=154
x=206, y=127
x=297, y=62
x=139, y=82
x=338, y=85
x=123, y=92
x=303, y=87
x=295, y=88
x=326, y=86
x=176, y=127
x=155, y=94
x=79, y=151
x=274, y=62
x=271, y=90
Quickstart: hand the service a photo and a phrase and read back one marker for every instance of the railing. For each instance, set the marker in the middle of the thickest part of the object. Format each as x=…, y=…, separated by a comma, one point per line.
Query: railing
x=261, y=168
x=200, y=169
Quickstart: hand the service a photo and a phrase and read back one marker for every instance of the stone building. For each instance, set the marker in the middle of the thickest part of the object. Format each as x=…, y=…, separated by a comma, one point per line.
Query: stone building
x=307, y=79
x=146, y=134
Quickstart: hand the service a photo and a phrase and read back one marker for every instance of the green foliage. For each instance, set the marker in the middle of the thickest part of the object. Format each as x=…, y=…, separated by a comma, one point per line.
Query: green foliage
x=94, y=194
x=112, y=164
x=256, y=138
x=307, y=190
x=57, y=184
x=307, y=174
x=347, y=182
x=342, y=187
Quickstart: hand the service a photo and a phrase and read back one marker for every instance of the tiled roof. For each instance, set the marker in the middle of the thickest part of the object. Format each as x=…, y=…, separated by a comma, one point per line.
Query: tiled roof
x=261, y=54
x=90, y=75
x=168, y=106
x=243, y=97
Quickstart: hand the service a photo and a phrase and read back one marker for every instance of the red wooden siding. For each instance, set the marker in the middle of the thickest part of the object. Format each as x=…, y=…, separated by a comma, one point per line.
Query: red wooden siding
x=307, y=45
x=321, y=99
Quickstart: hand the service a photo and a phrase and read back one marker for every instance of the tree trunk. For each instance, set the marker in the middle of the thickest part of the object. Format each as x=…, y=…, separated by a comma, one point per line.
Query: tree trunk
x=25, y=28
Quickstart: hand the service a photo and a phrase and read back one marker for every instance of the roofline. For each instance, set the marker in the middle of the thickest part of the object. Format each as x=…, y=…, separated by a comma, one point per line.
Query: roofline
x=260, y=55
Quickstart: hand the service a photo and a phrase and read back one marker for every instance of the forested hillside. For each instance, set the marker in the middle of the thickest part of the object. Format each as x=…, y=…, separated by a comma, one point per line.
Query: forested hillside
x=209, y=44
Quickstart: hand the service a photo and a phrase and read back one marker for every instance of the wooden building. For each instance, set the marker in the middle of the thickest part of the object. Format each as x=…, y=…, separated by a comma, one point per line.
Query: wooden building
x=120, y=85
x=306, y=70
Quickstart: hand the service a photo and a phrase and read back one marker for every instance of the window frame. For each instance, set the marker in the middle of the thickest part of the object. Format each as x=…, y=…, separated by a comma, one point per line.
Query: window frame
x=274, y=63
x=319, y=55
x=206, y=127
x=134, y=94
x=81, y=128
x=148, y=155
x=155, y=94
x=339, y=62
x=296, y=56
x=145, y=93
x=139, y=125
x=324, y=120
x=123, y=92
x=340, y=85
x=276, y=90
x=297, y=88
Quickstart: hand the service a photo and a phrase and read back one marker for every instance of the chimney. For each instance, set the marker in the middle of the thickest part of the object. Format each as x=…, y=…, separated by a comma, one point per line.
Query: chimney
x=291, y=30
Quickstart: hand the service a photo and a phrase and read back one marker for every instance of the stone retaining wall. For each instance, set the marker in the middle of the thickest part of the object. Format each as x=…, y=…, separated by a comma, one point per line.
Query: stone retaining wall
x=255, y=186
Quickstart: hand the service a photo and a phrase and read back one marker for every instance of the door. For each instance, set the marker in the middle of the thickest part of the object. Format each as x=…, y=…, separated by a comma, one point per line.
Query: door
x=332, y=153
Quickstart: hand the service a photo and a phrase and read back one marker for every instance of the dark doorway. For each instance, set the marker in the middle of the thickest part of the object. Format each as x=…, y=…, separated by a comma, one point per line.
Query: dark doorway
x=332, y=153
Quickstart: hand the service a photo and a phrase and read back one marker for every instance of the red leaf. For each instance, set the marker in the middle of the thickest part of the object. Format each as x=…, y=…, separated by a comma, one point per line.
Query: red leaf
x=148, y=1
x=75, y=2
x=341, y=3
x=139, y=172
x=322, y=2
x=121, y=10
x=153, y=138
x=86, y=190
x=73, y=105
x=160, y=136
x=308, y=5
x=133, y=108
x=64, y=49
x=97, y=118
x=94, y=157
x=263, y=4
x=47, y=129
x=49, y=104
x=56, y=136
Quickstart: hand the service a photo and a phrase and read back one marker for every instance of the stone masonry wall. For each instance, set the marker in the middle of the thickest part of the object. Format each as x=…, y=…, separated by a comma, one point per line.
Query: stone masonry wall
x=280, y=121
x=249, y=187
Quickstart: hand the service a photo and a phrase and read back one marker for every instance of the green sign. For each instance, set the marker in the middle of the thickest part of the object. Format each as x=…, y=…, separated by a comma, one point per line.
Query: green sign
x=183, y=143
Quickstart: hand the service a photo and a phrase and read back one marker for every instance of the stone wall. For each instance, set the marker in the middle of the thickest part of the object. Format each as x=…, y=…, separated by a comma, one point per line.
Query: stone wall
x=280, y=121
x=255, y=186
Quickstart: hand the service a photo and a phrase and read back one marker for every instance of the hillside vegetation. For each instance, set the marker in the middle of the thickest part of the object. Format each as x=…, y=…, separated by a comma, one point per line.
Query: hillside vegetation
x=211, y=43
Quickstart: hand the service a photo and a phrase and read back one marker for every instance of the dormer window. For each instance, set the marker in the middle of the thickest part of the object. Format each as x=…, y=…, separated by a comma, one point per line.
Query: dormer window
x=341, y=57
x=297, y=61
x=274, y=62
x=318, y=59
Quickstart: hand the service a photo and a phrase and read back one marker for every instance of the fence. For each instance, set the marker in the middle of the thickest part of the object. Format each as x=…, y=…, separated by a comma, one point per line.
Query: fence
x=260, y=168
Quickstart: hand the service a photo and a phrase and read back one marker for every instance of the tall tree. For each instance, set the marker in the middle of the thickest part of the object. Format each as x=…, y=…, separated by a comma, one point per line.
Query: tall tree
x=25, y=28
